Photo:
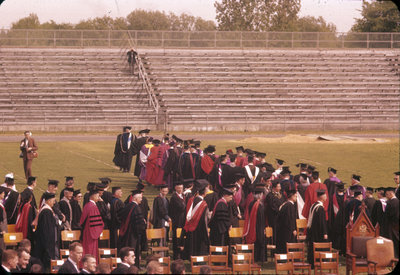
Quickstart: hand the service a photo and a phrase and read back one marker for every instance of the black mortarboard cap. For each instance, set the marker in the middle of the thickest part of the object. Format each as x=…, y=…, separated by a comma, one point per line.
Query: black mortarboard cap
x=275, y=182
x=370, y=189
x=320, y=192
x=340, y=186
x=144, y=131
x=105, y=180
x=101, y=185
x=69, y=189
x=301, y=165
x=187, y=182
x=353, y=188
x=310, y=168
x=140, y=186
x=290, y=193
x=31, y=179
x=53, y=182
x=285, y=170
x=47, y=196
x=197, y=142
x=229, y=152
x=279, y=161
x=261, y=155
x=357, y=193
x=210, y=148
x=200, y=184
x=115, y=188
x=156, y=141
x=127, y=127
x=397, y=173
x=379, y=189
x=249, y=151
x=333, y=170
x=356, y=177
x=315, y=174
x=91, y=186
x=162, y=186
x=240, y=148
x=68, y=178
x=134, y=192
x=226, y=191
x=390, y=189
x=93, y=191
x=77, y=192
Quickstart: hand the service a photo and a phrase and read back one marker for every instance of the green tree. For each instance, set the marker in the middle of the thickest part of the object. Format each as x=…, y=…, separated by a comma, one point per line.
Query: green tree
x=256, y=15
x=378, y=16
x=313, y=24
x=29, y=22
x=147, y=20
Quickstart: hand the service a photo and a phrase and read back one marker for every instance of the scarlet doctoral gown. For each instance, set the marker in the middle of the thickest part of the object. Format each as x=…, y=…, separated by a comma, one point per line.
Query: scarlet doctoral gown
x=311, y=197
x=92, y=225
x=155, y=173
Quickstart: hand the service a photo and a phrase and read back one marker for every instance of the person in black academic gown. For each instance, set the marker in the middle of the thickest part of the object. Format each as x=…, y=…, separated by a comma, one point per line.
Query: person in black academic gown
x=69, y=183
x=12, y=201
x=195, y=239
x=189, y=163
x=137, y=146
x=47, y=240
x=273, y=201
x=369, y=199
x=353, y=207
x=161, y=219
x=286, y=223
x=338, y=216
x=76, y=210
x=133, y=225
x=377, y=213
x=29, y=191
x=65, y=205
x=391, y=219
x=123, y=149
x=317, y=228
x=177, y=207
x=102, y=206
x=220, y=222
x=116, y=206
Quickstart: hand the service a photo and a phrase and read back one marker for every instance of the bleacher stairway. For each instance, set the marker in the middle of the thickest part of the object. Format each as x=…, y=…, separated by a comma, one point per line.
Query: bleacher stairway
x=276, y=89
x=70, y=90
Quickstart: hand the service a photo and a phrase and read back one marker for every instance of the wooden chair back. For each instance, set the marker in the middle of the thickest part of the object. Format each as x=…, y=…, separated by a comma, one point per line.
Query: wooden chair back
x=219, y=256
x=197, y=261
x=154, y=234
x=284, y=262
x=64, y=253
x=12, y=239
x=105, y=253
x=166, y=264
x=380, y=254
x=297, y=250
x=329, y=261
x=241, y=223
x=301, y=226
x=104, y=238
x=269, y=232
x=320, y=247
x=241, y=263
x=245, y=249
x=11, y=228
x=236, y=232
x=55, y=265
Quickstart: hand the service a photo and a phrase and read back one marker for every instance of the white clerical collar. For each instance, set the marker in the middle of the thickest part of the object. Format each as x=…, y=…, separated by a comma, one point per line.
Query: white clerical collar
x=92, y=201
x=126, y=264
x=200, y=197
x=6, y=269
x=291, y=201
x=30, y=187
x=135, y=202
x=180, y=195
x=84, y=270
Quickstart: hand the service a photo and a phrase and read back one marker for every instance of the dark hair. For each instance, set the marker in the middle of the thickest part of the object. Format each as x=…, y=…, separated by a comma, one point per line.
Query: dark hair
x=24, y=243
x=103, y=268
x=36, y=268
x=250, y=158
x=133, y=270
x=177, y=267
x=8, y=254
x=73, y=245
x=87, y=257
x=153, y=257
x=20, y=251
x=26, y=198
x=202, y=191
x=205, y=269
x=30, y=181
x=124, y=252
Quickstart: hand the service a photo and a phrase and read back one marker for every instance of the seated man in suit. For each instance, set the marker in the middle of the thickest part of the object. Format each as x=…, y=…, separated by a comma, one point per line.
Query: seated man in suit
x=127, y=256
x=88, y=264
x=70, y=266
x=23, y=261
x=9, y=261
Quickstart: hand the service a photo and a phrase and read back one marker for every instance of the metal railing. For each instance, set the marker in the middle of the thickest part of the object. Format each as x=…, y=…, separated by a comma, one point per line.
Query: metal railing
x=201, y=39
x=146, y=81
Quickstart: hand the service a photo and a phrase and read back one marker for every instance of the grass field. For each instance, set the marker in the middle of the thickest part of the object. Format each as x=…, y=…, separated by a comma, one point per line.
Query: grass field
x=89, y=160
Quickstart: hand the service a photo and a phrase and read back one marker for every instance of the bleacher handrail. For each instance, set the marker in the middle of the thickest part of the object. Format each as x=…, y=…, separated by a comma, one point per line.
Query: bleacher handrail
x=197, y=39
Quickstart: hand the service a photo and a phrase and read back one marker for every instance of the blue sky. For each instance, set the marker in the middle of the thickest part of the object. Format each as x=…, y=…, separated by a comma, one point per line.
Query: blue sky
x=340, y=12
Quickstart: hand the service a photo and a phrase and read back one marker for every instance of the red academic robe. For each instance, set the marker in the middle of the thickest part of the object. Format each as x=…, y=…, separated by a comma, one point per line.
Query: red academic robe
x=93, y=225
x=155, y=172
x=311, y=197
x=241, y=161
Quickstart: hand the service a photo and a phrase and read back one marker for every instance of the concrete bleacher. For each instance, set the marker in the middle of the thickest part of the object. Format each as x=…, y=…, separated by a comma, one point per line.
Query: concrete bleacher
x=70, y=90
x=275, y=89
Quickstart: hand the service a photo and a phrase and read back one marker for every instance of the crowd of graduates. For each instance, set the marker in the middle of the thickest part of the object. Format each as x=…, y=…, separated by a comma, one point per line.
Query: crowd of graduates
x=202, y=194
